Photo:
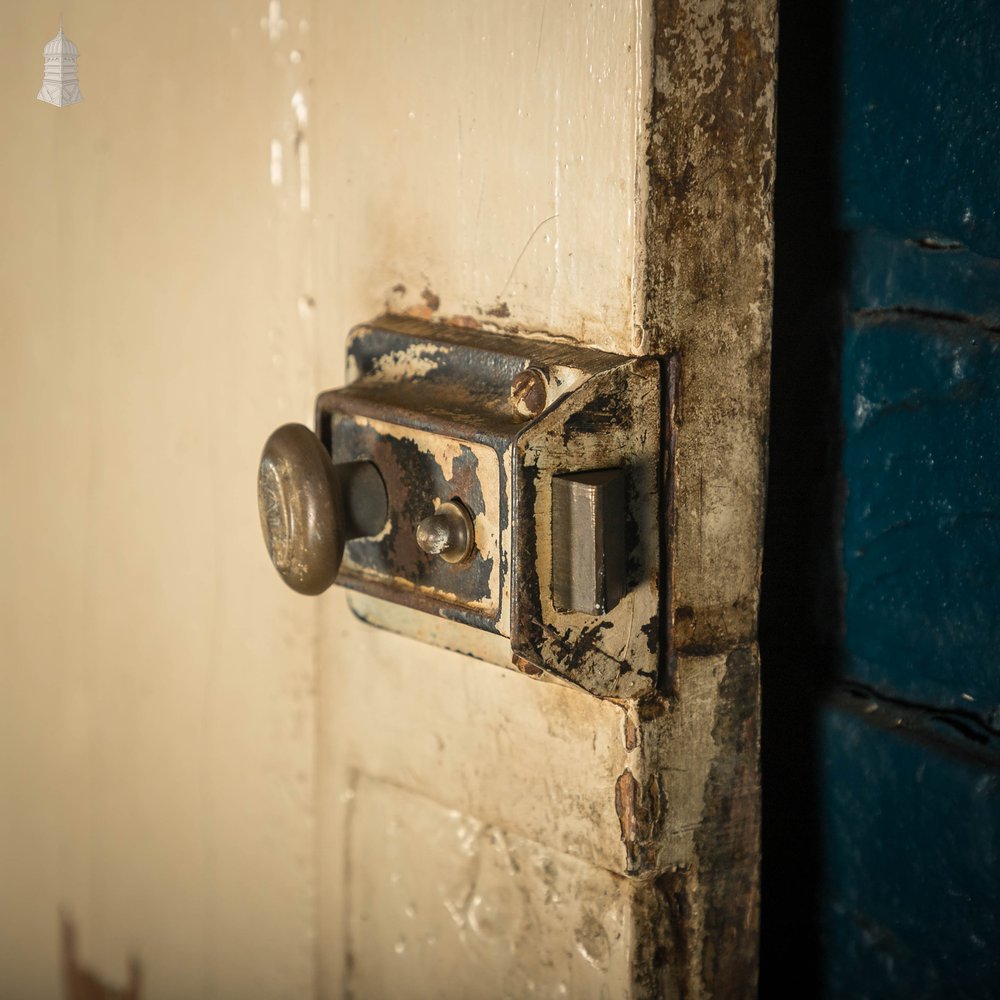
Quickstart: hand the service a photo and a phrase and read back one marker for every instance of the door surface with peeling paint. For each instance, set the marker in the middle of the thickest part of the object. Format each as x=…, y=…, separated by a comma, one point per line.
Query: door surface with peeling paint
x=236, y=791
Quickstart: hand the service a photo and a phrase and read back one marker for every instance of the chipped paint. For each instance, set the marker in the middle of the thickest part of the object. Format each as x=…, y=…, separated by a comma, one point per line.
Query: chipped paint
x=301, y=113
x=630, y=733
x=415, y=361
x=276, y=163
x=506, y=542
x=562, y=379
x=488, y=896
x=641, y=810
x=274, y=23
x=610, y=418
x=449, y=463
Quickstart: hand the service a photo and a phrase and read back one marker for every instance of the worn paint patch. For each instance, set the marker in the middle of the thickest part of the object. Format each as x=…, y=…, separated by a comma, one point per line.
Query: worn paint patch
x=707, y=287
x=510, y=916
x=702, y=744
x=631, y=733
x=274, y=24
x=415, y=361
x=641, y=810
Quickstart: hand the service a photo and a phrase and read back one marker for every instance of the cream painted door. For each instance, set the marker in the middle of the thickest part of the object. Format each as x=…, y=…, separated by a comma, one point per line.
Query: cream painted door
x=225, y=789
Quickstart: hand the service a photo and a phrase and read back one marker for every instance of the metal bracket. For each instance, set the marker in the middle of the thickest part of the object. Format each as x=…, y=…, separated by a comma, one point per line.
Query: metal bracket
x=563, y=574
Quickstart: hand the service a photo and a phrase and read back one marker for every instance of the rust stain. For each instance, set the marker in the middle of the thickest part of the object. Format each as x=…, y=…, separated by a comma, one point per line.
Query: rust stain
x=526, y=666
x=529, y=393
x=79, y=983
x=626, y=805
x=467, y=322
x=641, y=811
x=631, y=733
x=420, y=312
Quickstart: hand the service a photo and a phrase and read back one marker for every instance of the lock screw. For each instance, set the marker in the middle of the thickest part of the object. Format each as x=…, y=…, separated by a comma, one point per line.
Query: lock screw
x=529, y=392
x=448, y=533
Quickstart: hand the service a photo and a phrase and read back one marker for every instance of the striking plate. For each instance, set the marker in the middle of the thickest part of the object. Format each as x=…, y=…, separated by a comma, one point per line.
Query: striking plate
x=490, y=422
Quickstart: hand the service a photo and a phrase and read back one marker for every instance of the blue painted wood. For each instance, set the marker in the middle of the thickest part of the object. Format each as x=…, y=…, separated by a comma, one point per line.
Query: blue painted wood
x=913, y=859
x=921, y=119
x=886, y=272
x=921, y=529
x=911, y=765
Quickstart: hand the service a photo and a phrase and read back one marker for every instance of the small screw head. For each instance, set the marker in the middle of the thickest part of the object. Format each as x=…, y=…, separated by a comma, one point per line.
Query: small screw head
x=529, y=392
x=448, y=533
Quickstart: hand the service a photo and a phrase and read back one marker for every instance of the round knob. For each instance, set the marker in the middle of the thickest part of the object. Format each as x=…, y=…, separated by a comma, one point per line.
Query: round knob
x=301, y=509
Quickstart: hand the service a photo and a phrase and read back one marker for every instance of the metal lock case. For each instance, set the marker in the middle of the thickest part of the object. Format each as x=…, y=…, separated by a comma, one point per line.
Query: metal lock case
x=553, y=451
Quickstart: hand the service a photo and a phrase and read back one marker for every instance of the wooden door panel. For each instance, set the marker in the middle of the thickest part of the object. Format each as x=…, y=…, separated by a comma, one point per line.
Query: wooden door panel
x=442, y=904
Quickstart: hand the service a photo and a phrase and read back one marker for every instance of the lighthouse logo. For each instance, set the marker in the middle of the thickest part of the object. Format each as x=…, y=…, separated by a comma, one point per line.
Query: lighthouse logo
x=60, y=85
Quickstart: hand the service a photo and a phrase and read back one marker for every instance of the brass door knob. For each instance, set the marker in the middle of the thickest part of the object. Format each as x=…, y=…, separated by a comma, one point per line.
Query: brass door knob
x=310, y=508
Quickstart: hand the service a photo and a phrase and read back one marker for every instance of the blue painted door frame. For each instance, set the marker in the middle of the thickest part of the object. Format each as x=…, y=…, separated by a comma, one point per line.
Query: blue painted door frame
x=880, y=624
